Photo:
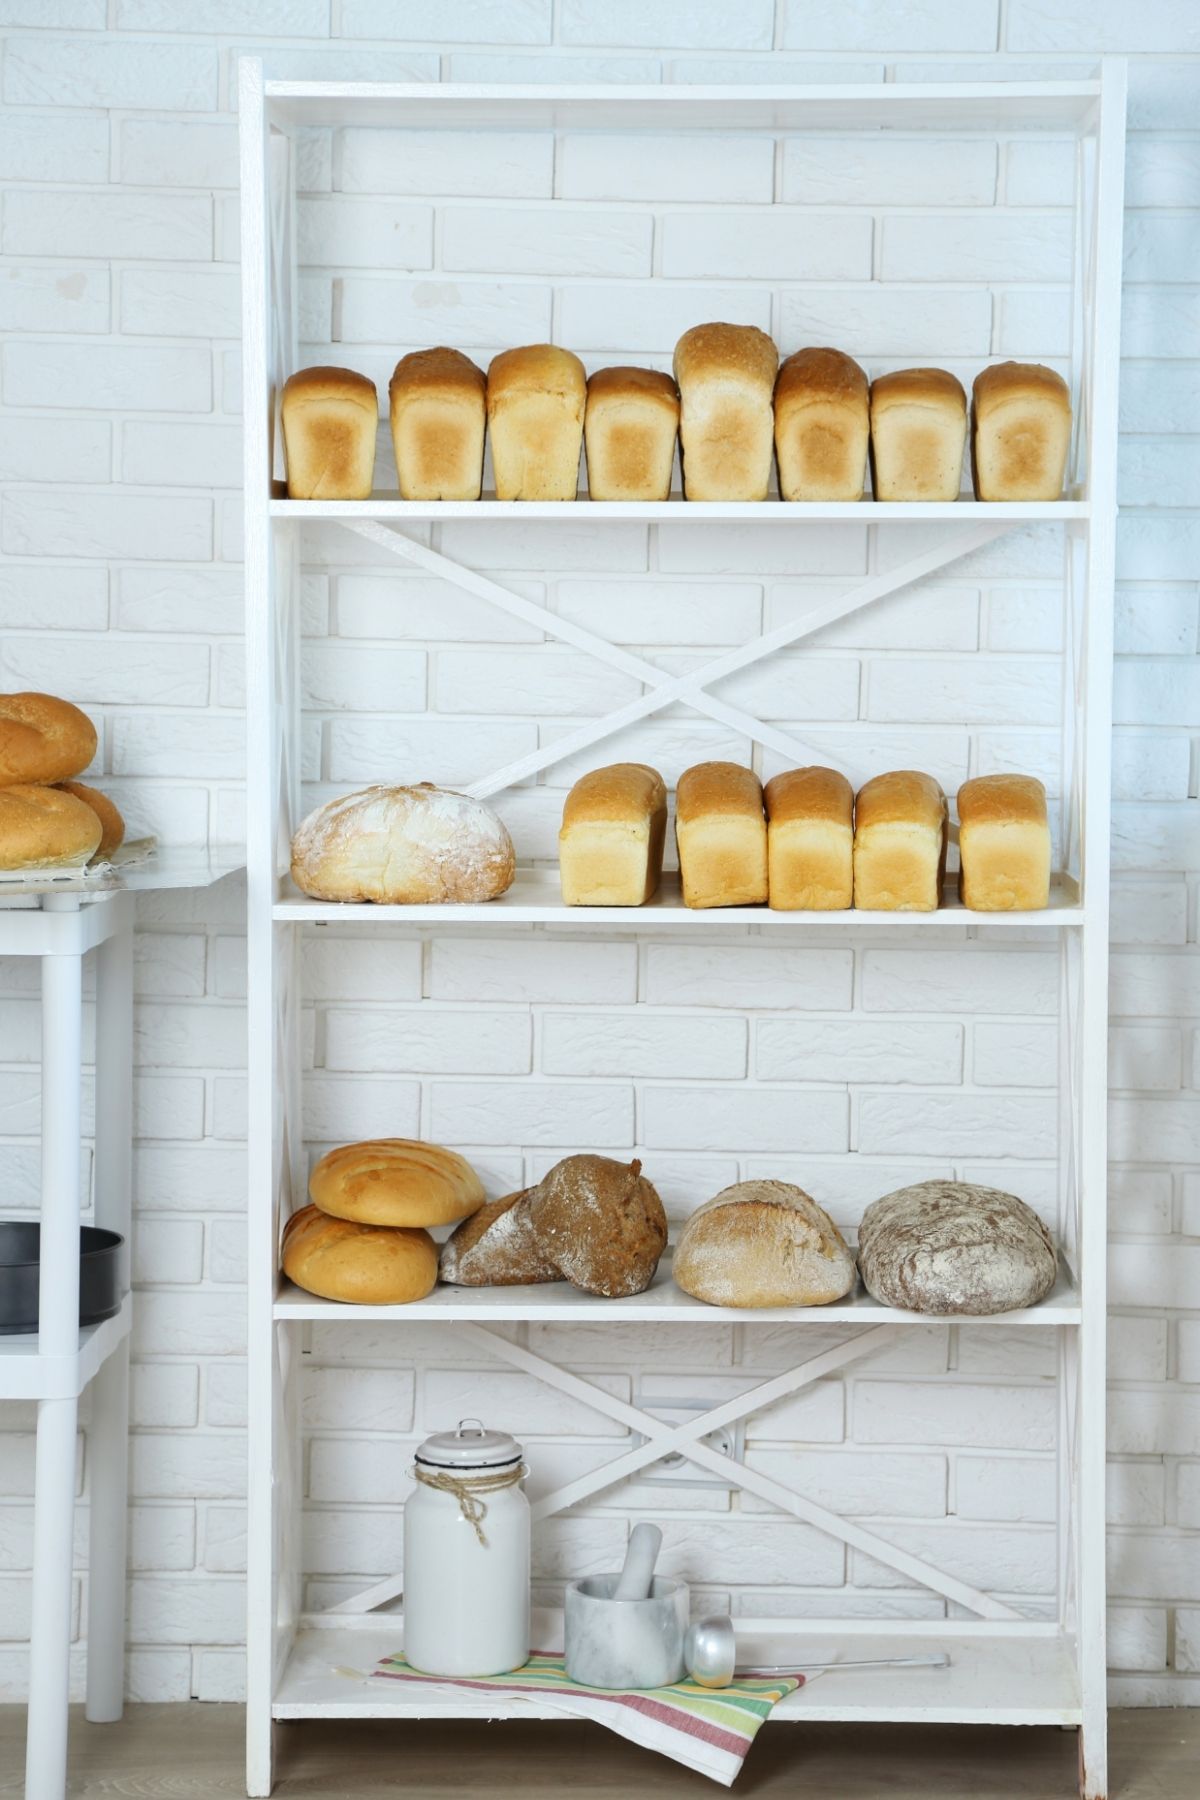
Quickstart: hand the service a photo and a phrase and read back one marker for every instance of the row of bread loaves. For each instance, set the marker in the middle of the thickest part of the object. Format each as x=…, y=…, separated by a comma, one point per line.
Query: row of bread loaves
x=732, y=406
x=48, y=820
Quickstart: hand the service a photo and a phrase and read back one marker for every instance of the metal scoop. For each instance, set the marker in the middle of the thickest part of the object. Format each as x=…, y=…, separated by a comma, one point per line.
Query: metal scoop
x=710, y=1652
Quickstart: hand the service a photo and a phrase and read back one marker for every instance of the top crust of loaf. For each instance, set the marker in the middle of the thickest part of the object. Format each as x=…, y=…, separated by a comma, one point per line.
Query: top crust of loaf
x=1002, y=800
x=440, y=374
x=809, y=377
x=43, y=739
x=918, y=387
x=536, y=368
x=395, y=1181
x=901, y=797
x=813, y=793
x=1007, y=381
x=327, y=383
x=613, y=793
x=716, y=787
x=650, y=387
x=740, y=353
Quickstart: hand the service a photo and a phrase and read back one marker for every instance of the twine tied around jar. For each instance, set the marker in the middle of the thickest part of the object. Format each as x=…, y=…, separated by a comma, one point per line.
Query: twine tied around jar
x=469, y=1489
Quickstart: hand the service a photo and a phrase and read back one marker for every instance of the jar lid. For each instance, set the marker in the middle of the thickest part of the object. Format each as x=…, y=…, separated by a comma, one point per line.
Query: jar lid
x=469, y=1446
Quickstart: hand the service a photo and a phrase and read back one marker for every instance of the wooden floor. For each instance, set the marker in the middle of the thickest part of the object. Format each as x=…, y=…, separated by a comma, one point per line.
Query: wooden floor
x=195, y=1753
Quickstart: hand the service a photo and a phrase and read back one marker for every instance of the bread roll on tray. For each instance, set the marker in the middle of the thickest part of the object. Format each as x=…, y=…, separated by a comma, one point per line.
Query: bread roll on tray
x=1022, y=432
x=899, y=843
x=43, y=828
x=822, y=426
x=367, y=1265
x=918, y=431
x=810, y=841
x=112, y=825
x=630, y=428
x=610, y=847
x=536, y=398
x=395, y=1181
x=497, y=1247
x=42, y=739
x=722, y=836
x=403, y=846
x=601, y=1223
x=763, y=1243
x=1004, y=844
x=330, y=418
x=436, y=403
x=726, y=376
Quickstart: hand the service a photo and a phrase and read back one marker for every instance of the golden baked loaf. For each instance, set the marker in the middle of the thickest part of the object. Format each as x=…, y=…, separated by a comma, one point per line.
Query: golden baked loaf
x=367, y=1265
x=822, y=426
x=722, y=836
x=330, y=419
x=1004, y=844
x=536, y=397
x=763, y=1243
x=601, y=1223
x=112, y=825
x=610, y=847
x=403, y=846
x=396, y=1181
x=726, y=377
x=436, y=403
x=899, y=843
x=810, y=841
x=1022, y=432
x=497, y=1247
x=918, y=432
x=630, y=427
x=43, y=828
x=42, y=739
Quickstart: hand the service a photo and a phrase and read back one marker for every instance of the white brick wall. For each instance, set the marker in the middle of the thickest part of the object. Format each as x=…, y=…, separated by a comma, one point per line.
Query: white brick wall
x=850, y=1068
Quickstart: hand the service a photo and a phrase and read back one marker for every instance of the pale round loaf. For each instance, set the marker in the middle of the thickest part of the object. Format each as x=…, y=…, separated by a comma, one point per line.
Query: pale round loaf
x=763, y=1243
x=497, y=1247
x=403, y=846
x=367, y=1265
x=601, y=1223
x=43, y=828
x=42, y=739
x=950, y=1247
x=112, y=825
x=395, y=1181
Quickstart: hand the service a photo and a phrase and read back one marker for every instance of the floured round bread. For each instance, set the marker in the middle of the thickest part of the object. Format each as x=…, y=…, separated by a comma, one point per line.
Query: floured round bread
x=403, y=846
x=395, y=1181
x=497, y=1247
x=763, y=1243
x=601, y=1223
x=951, y=1247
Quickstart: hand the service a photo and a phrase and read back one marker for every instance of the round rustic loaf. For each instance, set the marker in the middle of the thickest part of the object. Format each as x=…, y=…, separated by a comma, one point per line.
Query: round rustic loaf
x=951, y=1247
x=601, y=1223
x=43, y=828
x=112, y=825
x=42, y=739
x=763, y=1243
x=395, y=1181
x=403, y=846
x=497, y=1247
x=368, y=1265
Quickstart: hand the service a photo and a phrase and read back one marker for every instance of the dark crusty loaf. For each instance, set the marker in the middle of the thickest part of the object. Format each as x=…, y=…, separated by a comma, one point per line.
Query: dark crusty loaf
x=602, y=1223
x=951, y=1247
x=497, y=1247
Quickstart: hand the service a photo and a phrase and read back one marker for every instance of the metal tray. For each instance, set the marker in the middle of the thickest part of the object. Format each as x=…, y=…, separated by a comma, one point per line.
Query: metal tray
x=99, y=1274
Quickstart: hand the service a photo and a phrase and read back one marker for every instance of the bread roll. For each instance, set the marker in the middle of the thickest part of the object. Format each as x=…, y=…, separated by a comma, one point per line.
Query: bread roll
x=497, y=1247
x=42, y=739
x=601, y=1223
x=899, y=843
x=395, y=1181
x=112, y=825
x=610, y=848
x=945, y=1247
x=1022, y=432
x=330, y=418
x=918, y=430
x=535, y=404
x=43, y=828
x=1004, y=844
x=726, y=376
x=437, y=410
x=822, y=426
x=368, y=1265
x=810, y=841
x=763, y=1243
x=403, y=846
x=631, y=424
x=722, y=836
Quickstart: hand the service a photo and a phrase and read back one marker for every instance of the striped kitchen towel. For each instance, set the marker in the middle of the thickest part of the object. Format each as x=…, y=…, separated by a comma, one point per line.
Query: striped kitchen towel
x=709, y=1729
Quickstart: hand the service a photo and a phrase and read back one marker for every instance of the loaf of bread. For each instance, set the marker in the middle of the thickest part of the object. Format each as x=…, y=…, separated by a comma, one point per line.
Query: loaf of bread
x=822, y=426
x=944, y=1247
x=630, y=428
x=42, y=739
x=918, y=432
x=497, y=1247
x=536, y=397
x=403, y=846
x=610, y=847
x=722, y=836
x=1022, y=432
x=810, y=841
x=1004, y=844
x=600, y=1223
x=368, y=1265
x=438, y=414
x=395, y=1181
x=726, y=376
x=112, y=825
x=763, y=1243
x=43, y=828
x=899, y=843
x=330, y=419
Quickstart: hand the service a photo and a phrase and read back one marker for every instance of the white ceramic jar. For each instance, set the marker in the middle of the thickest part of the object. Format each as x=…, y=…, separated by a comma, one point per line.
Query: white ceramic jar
x=466, y=1555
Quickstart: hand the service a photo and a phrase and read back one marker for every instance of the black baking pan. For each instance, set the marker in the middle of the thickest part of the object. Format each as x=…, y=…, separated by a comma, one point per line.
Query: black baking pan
x=20, y=1265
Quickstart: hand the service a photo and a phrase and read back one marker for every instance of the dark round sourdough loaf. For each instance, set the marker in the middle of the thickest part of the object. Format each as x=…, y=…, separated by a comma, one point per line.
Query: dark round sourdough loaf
x=946, y=1247
x=601, y=1223
x=497, y=1247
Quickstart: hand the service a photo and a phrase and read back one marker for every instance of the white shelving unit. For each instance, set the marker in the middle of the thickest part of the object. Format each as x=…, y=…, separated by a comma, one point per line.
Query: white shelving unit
x=1005, y=1668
